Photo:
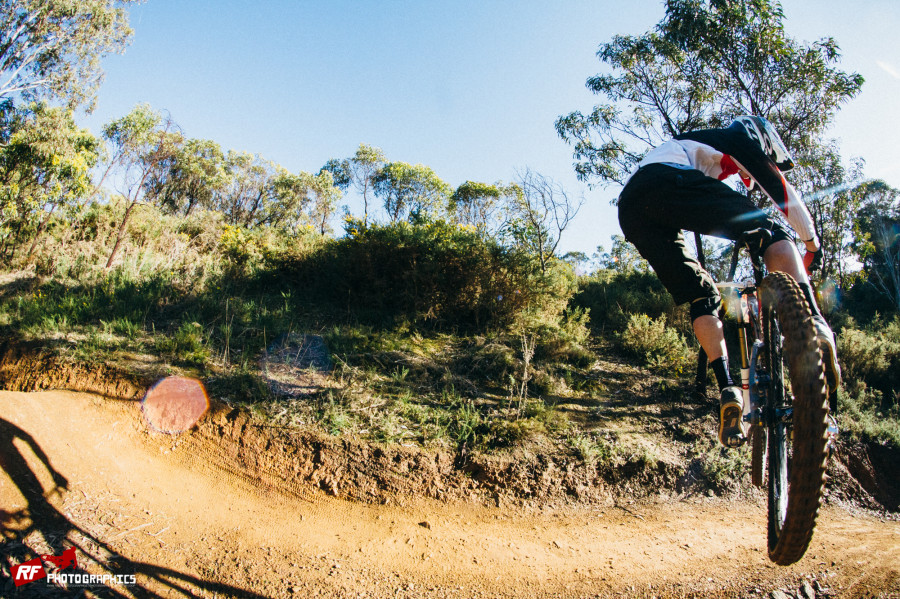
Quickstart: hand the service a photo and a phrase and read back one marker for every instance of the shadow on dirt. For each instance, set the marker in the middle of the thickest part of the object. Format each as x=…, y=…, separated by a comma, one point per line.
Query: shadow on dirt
x=41, y=531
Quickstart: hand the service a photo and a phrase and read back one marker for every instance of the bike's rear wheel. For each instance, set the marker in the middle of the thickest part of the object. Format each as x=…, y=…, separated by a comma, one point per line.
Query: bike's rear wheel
x=795, y=418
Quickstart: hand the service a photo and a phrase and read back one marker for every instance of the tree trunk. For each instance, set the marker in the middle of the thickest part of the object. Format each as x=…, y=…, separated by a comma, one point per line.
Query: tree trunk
x=120, y=235
x=40, y=230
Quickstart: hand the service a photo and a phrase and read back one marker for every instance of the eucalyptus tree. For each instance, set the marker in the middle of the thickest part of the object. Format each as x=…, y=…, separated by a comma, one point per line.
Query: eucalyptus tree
x=540, y=210
x=144, y=145
x=408, y=190
x=246, y=195
x=363, y=167
x=704, y=63
x=341, y=174
x=52, y=49
x=195, y=178
x=287, y=203
x=834, y=198
x=45, y=166
x=324, y=197
x=877, y=242
x=480, y=204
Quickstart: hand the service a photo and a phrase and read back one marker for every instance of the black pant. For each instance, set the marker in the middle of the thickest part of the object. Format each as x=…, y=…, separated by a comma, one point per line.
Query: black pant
x=660, y=201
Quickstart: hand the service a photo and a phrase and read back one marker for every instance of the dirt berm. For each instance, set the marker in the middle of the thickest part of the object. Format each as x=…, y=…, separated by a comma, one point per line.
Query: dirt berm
x=237, y=507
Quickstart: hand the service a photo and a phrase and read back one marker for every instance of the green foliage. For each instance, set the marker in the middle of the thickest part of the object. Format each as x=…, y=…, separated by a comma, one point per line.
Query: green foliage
x=364, y=166
x=613, y=296
x=872, y=356
x=53, y=49
x=862, y=416
x=409, y=190
x=592, y=449
x=478, y=204
x=876, y=239
x=194, y=179
x=45, y=164
x=539, y=210
x=725, y=469
x=869, y=403
x=703, y=64
x=186, y=344
x=431, y=273
x=660, y=347
x=623, y=257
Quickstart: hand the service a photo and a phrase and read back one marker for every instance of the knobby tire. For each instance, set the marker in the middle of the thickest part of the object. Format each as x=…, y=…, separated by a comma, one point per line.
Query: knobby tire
x=797, y=450
x=757, y=455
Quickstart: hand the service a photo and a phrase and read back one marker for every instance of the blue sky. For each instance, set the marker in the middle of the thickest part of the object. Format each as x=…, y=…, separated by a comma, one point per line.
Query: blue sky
x=469, y=88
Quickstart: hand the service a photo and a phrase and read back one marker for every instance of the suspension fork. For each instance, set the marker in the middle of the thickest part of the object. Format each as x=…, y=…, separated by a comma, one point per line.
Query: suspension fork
x=746, y=302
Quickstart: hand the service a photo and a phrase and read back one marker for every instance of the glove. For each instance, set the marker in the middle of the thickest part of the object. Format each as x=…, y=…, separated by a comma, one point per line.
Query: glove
x=812, y=260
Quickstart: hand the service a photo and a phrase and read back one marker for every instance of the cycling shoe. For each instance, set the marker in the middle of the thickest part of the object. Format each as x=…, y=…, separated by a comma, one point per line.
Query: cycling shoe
x=731, y=416
x=827, y=344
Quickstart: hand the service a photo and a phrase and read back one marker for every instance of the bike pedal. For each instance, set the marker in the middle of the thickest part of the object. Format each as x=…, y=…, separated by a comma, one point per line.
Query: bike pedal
x=734, y=442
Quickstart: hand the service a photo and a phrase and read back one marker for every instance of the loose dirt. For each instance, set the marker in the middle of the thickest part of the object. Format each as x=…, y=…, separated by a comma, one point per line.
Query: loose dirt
x=172, y=511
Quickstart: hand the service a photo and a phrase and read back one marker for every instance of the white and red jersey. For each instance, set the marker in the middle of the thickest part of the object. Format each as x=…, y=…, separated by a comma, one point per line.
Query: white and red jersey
x=721, y=153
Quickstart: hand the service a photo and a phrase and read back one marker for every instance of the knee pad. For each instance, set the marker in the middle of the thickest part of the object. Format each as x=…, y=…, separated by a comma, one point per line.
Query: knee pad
x=707, y=306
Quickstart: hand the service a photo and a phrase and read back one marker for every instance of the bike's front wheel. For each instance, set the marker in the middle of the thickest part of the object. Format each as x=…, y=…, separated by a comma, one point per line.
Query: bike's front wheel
x=757, y=455
x=795, y=416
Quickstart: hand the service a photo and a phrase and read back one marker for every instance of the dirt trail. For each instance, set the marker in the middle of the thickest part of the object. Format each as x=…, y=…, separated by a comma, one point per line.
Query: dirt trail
x=137, y=503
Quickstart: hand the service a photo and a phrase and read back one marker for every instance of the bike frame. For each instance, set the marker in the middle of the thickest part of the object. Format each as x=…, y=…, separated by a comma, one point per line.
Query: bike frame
x=742, y=297
x=743, y=300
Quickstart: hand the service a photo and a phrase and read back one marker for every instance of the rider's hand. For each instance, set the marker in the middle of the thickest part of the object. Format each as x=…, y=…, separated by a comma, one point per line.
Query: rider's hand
x=813, y=258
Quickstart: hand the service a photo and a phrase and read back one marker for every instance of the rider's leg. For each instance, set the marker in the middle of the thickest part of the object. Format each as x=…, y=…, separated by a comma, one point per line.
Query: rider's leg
x=709, y=332
x=783, y=256
x=656, y=204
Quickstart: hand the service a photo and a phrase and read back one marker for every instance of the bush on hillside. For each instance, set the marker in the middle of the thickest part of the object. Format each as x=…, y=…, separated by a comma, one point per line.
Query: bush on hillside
x=870, y=360
x=658, y=345
x=612, y=297
x=434, y=274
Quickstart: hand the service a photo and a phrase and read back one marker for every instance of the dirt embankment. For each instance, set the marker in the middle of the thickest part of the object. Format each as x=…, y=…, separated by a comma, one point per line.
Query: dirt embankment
x=237, y=507
x=172, y=511
x=283, y=458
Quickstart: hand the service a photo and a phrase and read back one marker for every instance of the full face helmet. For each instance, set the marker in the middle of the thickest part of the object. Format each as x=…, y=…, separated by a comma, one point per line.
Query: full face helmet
x=762, y=132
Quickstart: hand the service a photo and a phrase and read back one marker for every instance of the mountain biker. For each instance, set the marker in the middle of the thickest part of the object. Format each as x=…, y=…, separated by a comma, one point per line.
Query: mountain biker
x=679, y=186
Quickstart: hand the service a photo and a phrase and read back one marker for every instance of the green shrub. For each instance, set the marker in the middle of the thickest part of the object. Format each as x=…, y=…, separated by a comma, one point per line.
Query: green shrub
x=612, y=297
x=592, y=449
x=431, y=273
x=862, y=415
x=872, y=357
x=725, y=469
x=187, y=344
x=659, y=346
x=869, y=403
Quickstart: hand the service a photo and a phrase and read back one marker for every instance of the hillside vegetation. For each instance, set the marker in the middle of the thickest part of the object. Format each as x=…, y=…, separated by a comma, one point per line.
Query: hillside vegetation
x=437, y=336
x=439, y=317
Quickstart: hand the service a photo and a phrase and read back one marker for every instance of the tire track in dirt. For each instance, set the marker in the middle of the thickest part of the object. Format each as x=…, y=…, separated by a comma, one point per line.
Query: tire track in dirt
x=164, y=508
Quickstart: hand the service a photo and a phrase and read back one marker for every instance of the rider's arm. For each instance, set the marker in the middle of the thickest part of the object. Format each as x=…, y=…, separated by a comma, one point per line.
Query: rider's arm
x=788, y=201
x=798, y=216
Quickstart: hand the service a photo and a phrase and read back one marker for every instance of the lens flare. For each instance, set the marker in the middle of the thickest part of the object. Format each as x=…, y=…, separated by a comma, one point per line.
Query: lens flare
x=828, y=295
x=175, y=404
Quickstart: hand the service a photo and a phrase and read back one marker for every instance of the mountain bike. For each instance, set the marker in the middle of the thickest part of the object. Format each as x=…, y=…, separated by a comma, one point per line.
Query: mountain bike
x=786, y=398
